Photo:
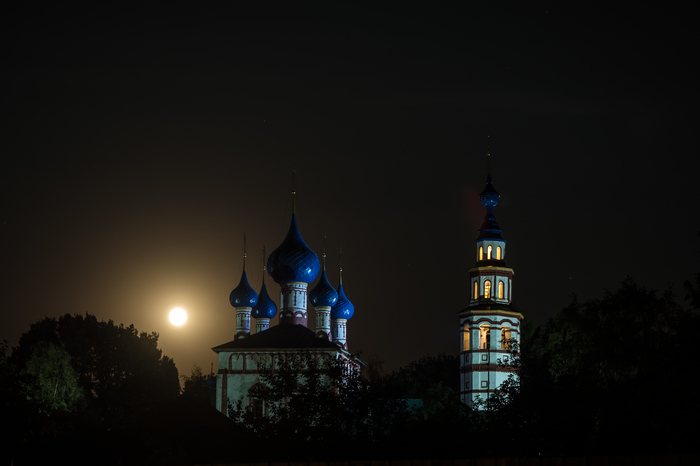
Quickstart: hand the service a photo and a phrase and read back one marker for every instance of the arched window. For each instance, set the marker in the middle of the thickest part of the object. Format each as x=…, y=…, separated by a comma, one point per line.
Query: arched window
x=487, y=289
x=258, y=408
x=488, y=252
x=476, y=289
x=500, y=289
x=465, y=339
x=485, y=334
x=505, y=338
x=481, y=253
x=498, y=253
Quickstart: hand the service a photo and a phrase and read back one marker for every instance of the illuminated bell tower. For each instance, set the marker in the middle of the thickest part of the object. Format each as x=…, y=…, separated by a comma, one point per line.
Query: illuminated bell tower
x=489, y=323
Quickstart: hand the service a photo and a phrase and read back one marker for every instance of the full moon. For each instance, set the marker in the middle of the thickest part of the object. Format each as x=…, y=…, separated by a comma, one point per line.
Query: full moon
x=178, y=316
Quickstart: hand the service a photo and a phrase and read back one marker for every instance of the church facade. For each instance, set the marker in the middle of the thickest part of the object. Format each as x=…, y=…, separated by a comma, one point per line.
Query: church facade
x=294, y=266
x=489, y=323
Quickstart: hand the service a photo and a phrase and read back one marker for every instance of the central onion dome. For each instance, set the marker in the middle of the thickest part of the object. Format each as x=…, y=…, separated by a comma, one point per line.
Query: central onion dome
x=343, y=309
x=243, y=295
x=323, y=293
x=266, y=308
x=293, y=260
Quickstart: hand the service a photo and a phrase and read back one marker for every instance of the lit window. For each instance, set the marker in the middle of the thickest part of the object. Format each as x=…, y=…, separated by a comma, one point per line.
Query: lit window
x=488, y=252
x=481, y=253
x=485, y=337
x=498, y=253
x=476, y=289
x=465, y=340
x=500, y=289
x=487, y=289
x=505, y=338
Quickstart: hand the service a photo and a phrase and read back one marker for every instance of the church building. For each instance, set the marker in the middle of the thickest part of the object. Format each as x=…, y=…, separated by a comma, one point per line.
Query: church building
x=294, y=266
x=489, y=323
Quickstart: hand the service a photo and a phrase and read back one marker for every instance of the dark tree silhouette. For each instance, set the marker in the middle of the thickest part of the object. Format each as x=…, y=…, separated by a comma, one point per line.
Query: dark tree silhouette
x=602, y=367
x=317, y=404
x=121, y=373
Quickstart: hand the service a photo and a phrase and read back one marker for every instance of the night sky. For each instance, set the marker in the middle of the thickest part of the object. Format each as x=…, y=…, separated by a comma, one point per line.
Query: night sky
x=138, y=145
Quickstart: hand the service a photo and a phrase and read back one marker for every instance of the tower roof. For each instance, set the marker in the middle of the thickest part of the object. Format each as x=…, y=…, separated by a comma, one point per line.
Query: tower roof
x=266, y=307
x=293, y=260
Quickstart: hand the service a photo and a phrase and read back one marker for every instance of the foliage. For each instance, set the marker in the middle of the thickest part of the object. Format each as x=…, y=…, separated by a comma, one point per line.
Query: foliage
x=121, y=373
x=49, y=379
x=317, y=402
x=195, y=384
x=599, y=367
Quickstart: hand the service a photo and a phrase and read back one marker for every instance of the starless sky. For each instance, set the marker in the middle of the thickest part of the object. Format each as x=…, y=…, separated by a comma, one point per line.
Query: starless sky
x=138, y=145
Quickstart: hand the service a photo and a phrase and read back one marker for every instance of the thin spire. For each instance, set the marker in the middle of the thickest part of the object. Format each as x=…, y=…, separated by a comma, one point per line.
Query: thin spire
x=244, y=251
x=264, y=265
x=341, y=266
x=324, y=252
x=294, y=190
x=488, y=154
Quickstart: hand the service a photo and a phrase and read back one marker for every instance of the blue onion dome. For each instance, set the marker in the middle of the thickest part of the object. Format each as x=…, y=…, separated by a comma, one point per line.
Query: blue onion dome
x=323, y=293
x=293, y=260
x=211, y=382
x=243, y=295
x=343, y=309
x=489, y=196
x=266, y=307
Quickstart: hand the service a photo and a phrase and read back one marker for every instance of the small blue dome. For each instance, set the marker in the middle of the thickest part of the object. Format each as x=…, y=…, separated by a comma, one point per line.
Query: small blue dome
x=266, y=307
x=243, y=295
x=323, y=293
x=211, y=382
x=489, y=196
x=293, y=260
x=343, y=309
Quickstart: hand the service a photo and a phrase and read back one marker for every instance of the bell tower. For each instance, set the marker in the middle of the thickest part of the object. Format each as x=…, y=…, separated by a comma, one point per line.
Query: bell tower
x=489, y=323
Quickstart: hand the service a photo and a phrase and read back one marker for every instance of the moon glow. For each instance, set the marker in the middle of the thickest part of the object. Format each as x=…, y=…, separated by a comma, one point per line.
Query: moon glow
x=178, y=316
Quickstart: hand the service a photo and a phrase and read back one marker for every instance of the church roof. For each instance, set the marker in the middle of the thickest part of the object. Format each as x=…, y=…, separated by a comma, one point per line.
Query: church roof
x=279, y=336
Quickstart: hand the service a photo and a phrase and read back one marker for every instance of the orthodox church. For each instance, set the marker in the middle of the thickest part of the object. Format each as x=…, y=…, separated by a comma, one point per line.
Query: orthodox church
x=489, y=323
x=294, y=266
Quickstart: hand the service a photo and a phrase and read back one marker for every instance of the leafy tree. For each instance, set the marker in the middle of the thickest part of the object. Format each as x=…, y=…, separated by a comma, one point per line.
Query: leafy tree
x=415, y=379
x=121, y=373
x=50, y=380
x=601, y=367
x=317, y=403
x=195, y=384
